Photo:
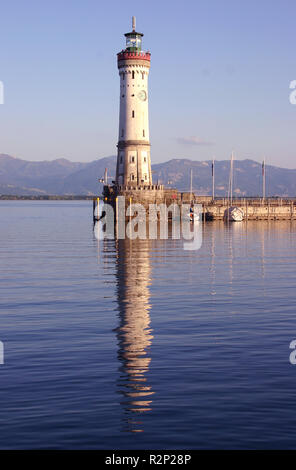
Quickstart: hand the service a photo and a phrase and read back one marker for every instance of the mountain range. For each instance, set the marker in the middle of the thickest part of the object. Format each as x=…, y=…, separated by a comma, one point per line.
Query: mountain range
x=63, y=177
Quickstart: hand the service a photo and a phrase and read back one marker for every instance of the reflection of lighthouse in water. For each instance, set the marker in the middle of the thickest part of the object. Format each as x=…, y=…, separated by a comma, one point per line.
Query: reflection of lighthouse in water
x=134, y=333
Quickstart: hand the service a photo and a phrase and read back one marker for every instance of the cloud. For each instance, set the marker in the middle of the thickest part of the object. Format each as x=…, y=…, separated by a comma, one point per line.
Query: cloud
x=193, y=140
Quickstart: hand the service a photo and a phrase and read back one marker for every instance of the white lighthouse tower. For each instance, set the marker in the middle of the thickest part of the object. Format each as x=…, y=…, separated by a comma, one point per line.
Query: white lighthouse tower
x=133, y=159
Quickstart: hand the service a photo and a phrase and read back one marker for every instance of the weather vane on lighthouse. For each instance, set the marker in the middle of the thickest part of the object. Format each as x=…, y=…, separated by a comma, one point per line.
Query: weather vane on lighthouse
x=133, y=157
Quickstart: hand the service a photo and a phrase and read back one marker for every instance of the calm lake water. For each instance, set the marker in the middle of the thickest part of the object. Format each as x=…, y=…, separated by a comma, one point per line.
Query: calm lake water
x=140, y=344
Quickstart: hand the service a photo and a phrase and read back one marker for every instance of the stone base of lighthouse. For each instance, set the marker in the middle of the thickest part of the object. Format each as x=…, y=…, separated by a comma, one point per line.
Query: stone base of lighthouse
x=145, y=195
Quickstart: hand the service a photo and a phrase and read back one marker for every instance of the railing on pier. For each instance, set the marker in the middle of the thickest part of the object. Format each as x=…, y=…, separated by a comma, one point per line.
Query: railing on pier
x=254, y=201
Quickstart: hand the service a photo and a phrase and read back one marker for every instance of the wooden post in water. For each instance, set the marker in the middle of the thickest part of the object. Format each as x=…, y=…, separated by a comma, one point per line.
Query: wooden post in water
x=94, y=209
x=98, y=208
x=116, y=215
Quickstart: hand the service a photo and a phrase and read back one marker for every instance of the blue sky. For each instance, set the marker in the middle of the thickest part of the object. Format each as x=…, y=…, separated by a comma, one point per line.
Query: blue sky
x=219, y=80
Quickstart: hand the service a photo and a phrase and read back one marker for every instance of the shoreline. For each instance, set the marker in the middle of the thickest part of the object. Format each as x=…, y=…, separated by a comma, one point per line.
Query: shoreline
x=45, y=198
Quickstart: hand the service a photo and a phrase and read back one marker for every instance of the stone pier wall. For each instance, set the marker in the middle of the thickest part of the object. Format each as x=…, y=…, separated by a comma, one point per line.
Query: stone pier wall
x=252, y=211
x=253, y=208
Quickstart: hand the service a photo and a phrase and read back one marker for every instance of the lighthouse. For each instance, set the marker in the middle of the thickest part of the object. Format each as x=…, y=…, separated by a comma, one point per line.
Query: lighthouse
x=133, y=157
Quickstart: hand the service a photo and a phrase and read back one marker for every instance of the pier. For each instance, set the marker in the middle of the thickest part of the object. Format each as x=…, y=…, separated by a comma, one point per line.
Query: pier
x=253, y=208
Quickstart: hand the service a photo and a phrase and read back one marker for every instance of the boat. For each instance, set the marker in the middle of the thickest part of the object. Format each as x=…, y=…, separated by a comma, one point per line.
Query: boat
x=233, y=214
x=193, y=215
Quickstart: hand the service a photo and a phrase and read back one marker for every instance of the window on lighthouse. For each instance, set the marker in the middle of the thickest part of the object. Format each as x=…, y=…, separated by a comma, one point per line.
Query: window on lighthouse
x=133, y=74
x=133, y=114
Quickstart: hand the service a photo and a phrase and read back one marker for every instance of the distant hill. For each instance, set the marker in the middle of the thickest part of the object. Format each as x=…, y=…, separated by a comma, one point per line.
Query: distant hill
x=247, y=177
x=62, y=177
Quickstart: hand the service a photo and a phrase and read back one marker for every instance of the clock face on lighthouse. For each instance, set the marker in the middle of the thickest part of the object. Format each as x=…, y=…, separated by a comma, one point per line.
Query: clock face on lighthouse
x=142, y=95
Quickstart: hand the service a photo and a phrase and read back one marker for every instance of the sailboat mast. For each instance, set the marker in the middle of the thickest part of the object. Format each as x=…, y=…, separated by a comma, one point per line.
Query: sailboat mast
x=190, y=186
x=213, y=179
x=231, y=179
x=264, y=180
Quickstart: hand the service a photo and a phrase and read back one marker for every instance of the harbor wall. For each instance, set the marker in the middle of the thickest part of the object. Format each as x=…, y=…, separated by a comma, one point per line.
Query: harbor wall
x=252, y=208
